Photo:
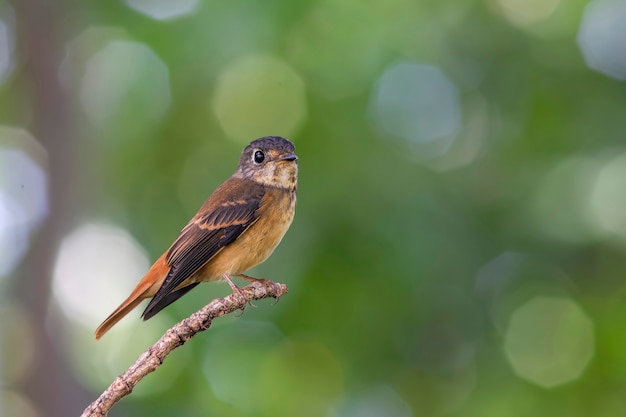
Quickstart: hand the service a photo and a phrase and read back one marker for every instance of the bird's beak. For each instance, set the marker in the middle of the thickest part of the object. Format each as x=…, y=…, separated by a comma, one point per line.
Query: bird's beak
x=288, y=157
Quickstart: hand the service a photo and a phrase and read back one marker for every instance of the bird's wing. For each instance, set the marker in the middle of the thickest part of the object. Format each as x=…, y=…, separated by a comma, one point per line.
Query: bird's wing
x=218, y=223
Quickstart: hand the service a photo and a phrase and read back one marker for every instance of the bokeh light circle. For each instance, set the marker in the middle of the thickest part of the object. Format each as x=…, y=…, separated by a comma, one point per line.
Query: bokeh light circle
x=602, y=36
x=259, y=95
x=417, y=103
x=125, y=83
x=240, y=345
x=306, y=380
x=549, y=341
x=608, y=198
x=374, y=402
x=527, y=12
x=24, y=200
x=163, y=9
x=96, y=268
x=560, y=206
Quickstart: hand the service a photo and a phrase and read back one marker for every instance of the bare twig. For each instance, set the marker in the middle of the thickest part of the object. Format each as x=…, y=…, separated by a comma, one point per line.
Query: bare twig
x=176, y=336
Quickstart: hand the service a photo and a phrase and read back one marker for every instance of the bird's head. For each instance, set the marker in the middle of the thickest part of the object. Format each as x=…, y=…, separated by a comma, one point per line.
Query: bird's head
x=270, y=160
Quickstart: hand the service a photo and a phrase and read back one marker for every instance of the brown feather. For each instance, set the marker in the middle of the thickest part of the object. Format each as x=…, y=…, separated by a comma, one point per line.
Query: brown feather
x=228, y=212
x=146, y=288
x=238, y=227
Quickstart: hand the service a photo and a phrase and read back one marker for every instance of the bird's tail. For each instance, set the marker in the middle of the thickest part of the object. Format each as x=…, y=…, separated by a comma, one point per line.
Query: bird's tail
x=145, y=288
x=125, y=308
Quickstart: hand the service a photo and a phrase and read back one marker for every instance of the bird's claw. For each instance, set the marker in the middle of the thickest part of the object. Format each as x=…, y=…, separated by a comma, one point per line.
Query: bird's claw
x=264, y=281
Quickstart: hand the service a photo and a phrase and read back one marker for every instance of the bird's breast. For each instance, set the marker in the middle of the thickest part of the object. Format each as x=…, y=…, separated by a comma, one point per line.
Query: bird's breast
x=257, y=243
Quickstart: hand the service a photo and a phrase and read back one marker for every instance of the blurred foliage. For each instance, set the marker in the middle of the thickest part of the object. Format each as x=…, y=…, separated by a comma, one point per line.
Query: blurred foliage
x=405, y=261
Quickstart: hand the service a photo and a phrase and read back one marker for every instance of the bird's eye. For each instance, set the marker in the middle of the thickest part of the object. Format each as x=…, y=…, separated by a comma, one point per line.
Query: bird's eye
x=258, y=157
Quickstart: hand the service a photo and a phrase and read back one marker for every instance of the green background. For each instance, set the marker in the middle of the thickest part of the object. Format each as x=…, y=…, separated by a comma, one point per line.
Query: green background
x=479, y=272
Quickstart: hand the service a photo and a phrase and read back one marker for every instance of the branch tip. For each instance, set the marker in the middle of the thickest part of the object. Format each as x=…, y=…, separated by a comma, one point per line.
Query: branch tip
x=176, y=336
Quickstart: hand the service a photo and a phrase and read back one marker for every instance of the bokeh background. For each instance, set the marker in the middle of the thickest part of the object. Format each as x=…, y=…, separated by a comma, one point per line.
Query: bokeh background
x=459, y=244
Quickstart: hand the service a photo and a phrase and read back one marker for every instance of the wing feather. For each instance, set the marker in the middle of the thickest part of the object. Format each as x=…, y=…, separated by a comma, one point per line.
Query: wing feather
x=216, y=225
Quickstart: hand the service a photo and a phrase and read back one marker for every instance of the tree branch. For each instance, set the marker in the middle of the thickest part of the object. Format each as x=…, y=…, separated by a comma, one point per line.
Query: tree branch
x=176, y=336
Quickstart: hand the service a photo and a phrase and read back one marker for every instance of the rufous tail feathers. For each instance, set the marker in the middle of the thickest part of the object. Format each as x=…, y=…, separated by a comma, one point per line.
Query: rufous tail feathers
x=146, y=288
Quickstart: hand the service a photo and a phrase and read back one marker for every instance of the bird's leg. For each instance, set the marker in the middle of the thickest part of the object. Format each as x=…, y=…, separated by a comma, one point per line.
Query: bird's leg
x=252, y=279
x=274, y=285
x=236, y=290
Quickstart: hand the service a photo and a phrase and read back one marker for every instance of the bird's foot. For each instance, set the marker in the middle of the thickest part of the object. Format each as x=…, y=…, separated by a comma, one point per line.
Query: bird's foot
x=238, y=293
x=264, y=281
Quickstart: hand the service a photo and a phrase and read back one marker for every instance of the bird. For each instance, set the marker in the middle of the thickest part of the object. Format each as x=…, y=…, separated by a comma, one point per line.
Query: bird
x=237, y=228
